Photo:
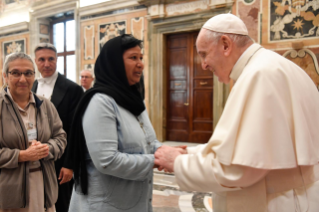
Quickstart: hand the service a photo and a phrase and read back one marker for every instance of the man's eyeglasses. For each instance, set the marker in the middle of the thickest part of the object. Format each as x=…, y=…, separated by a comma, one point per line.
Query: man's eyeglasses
x=17, y=74
x=86, y=77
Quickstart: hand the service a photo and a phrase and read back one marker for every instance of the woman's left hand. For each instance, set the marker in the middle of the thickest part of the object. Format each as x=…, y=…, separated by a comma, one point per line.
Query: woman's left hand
x=65, y=175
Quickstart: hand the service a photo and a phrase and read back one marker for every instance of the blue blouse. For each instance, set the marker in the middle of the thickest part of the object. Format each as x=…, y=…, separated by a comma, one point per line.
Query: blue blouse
x=120, y=159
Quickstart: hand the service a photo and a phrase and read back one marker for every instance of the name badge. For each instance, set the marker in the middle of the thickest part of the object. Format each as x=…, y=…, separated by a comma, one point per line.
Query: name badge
x=32, y=134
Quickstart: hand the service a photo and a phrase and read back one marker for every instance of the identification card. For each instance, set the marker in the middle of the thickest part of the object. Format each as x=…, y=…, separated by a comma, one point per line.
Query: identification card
x=32, y=134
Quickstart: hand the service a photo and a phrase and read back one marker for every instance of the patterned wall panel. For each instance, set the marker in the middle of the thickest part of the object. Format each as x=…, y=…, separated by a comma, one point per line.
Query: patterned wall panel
x=293, y=19
x=89, y=67
x=307, y=60
x=110, y=30
x=13, y=46
x=249, y=12
x=137, y=27
x=89, y=42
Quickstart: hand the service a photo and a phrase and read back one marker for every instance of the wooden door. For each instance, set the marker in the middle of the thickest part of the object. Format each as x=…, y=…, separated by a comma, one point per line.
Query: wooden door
x=189, y=92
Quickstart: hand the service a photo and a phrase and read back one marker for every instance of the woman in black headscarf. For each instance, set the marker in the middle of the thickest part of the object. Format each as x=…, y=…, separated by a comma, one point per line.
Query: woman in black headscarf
x=112, y=141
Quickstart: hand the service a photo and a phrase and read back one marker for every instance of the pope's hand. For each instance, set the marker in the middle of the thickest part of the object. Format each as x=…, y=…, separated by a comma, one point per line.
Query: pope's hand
x=165, y=157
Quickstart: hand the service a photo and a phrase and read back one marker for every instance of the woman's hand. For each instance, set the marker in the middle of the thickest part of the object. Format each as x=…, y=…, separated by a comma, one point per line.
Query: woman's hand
x=65, y=175
x=35, y=152
x=182, y=149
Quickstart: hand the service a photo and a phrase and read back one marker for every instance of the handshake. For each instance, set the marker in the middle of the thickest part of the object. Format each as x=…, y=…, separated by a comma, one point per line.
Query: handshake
x=166, y=155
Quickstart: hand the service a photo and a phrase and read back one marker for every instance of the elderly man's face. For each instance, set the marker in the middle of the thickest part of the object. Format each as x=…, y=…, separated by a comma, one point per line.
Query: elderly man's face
x=86, y=79
x=212, y=57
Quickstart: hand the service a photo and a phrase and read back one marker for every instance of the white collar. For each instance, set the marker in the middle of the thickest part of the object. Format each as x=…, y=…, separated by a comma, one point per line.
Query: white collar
x=48, y=80
x=243, y=60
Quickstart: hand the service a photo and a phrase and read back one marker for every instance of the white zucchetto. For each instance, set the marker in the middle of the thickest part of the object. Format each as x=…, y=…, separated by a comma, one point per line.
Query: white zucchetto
x=226, y=23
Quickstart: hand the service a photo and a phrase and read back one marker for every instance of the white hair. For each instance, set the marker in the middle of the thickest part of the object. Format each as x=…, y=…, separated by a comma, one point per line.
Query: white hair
x=10, y=58
x=13, y=57
x=239, y=40
x=90, y=71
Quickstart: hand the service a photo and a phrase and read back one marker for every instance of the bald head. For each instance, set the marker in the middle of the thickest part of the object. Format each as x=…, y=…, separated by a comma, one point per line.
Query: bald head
x=87, y=78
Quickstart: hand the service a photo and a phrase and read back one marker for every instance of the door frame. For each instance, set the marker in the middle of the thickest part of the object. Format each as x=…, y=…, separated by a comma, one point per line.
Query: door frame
x=157, y=67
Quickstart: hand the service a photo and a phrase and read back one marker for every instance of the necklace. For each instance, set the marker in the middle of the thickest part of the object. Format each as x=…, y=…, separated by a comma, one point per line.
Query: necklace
x=30, y=123
x=141, y=124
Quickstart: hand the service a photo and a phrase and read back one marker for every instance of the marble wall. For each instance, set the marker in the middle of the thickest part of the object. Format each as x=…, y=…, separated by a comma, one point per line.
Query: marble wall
x=290, y=28
x=95, y=32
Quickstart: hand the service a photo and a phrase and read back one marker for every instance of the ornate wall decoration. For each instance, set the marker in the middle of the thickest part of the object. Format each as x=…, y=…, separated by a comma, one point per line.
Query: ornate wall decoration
x=137, y=27
x=8, y=5
x=44, y=29
x=44, y=40
x=111, y=30
x=89, y=67
x=249, y=12
x=89, y=37
x=249, y=1
x=9, y=47
x=307, y=60
x=293, y=19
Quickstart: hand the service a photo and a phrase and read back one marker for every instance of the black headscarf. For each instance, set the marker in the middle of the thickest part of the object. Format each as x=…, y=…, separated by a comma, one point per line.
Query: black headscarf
x=111, y=80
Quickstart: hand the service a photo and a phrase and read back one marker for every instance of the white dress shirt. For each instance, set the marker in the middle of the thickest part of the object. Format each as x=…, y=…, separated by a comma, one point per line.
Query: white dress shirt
x=46, y=85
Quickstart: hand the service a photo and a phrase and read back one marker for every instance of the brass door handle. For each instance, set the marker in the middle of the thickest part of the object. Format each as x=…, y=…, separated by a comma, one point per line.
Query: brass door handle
x=177, y=84
x=203, y=83
x=186, y=104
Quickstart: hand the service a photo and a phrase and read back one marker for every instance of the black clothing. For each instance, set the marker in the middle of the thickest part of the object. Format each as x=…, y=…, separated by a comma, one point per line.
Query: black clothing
x=65, y=97
x=111, y=80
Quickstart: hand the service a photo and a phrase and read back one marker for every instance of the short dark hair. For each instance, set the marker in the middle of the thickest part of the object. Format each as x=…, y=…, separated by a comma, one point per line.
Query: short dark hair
x=129, y=41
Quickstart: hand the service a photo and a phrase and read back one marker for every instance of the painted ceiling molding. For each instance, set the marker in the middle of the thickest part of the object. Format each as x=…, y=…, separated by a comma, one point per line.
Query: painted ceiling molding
x=19, y=27
x=212, y=3
x=52, y=8
x=106, y=6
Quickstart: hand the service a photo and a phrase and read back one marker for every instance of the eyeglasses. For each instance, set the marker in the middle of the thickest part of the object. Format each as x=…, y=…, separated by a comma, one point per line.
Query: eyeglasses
x=86, y=77
x=27, y=74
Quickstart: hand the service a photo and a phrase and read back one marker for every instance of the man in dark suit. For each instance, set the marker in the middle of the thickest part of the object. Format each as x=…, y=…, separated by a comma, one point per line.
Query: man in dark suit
x=65, y=95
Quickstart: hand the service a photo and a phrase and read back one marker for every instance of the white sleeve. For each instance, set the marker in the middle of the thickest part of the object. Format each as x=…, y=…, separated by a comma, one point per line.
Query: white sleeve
x=195, y=172
x=194, y=149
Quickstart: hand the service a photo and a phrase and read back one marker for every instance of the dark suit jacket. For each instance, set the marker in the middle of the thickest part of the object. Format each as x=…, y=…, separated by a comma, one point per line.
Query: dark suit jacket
x=65, y=97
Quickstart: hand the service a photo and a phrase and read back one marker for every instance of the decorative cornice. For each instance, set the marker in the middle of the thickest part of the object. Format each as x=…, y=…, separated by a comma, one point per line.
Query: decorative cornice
x=106, y=6
x=155, y=2
x=53, y=7
x=221, y=3
x=19, y=27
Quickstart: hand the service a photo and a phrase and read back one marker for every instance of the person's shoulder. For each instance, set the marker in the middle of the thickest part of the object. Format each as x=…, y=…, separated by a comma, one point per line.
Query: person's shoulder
x=102, y=97
x=71, y=85
x=103, y=102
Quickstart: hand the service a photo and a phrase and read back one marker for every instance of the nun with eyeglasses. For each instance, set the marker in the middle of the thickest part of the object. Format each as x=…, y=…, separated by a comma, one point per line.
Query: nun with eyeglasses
x=31, y=139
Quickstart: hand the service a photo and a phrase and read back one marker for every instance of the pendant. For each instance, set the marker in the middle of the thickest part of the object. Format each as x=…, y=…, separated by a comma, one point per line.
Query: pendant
x=30, y=125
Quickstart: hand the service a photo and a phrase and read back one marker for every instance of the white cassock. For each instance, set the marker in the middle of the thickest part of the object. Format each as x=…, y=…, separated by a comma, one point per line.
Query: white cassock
x=264, y=152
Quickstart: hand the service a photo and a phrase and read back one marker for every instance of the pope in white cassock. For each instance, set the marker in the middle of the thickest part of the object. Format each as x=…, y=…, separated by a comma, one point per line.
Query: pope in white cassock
x=264, y=152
